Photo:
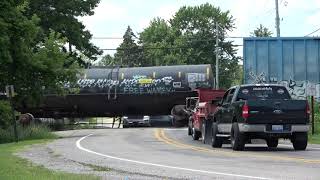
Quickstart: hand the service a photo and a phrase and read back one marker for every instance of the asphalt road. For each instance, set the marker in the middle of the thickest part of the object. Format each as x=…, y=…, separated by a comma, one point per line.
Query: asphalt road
x=171, y=154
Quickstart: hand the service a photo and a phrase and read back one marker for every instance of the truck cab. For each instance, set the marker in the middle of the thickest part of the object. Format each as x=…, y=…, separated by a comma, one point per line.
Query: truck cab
x=260, y=111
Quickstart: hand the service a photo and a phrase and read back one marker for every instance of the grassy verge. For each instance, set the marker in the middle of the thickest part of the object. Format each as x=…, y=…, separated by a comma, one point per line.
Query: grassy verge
x=315, y=139
x=13, y=167
x=26, y=133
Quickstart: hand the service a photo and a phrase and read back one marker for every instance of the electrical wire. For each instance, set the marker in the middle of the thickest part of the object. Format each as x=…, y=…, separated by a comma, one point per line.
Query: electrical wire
x=120, y=38
x=312, y=32
x=146, y=48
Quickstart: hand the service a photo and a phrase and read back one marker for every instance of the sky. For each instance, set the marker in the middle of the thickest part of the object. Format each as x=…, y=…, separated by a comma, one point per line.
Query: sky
x=112, y=17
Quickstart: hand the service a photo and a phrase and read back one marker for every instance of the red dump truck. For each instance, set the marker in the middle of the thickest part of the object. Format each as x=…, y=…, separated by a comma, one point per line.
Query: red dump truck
x=201, y=108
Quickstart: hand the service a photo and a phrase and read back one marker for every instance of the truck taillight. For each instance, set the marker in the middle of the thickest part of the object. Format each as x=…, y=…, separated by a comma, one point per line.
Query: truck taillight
x=308, y=110
x=245, y=111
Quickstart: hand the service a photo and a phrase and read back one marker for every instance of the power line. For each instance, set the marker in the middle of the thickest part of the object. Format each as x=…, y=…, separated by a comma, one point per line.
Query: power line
x=312, y=32
x=147, y=48
x=120, y=38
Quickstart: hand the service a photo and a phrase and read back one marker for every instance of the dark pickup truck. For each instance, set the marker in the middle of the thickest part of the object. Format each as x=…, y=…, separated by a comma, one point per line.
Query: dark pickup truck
x=260, y=112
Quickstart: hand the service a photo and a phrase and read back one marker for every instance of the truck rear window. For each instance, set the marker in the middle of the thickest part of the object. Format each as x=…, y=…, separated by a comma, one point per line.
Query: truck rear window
x=263, y=92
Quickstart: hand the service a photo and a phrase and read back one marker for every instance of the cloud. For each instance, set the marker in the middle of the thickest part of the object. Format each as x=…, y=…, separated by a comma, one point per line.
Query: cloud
x=313, y=19
x=106, y=12
x=249, y=14
x=142, y=24
x=166, y=12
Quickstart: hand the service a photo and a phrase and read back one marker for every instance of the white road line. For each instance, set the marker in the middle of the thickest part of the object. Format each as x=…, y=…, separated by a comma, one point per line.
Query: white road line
x=160, y=165
x=312, y=148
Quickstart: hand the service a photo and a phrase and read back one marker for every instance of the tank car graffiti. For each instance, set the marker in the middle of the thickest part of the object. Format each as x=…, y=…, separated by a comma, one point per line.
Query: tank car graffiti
x=139, y=84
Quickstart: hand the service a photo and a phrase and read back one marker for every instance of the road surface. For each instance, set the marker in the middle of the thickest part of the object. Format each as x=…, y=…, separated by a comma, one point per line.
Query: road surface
x=168, y=153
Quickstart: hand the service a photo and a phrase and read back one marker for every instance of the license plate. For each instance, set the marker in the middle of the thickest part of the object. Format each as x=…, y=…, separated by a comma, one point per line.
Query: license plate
x=277, y=127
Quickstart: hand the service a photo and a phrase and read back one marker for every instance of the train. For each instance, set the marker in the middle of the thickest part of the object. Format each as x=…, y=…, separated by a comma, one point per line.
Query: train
x=115, y=92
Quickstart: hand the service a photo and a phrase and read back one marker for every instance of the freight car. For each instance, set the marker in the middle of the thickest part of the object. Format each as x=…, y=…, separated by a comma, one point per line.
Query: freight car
x=126, y=91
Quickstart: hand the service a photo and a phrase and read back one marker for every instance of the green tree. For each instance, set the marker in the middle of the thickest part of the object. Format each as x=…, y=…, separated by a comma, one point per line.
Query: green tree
x=107, y=60
x=159, y=41
x=189, y=38
x=62, y=17
x=261, y=31
x=129, y=53
x=28, y=64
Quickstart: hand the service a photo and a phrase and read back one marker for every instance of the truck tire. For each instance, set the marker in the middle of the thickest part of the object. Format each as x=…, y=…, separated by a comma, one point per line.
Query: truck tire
x=203, y=132
x=238, y=139
x=190, y=127
x=300, y=140
x=216, y=141
x=272, y=142
x=195, y=134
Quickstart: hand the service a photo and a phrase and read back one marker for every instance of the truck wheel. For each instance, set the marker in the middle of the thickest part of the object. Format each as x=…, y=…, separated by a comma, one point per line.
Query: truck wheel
x=300, y=140
x=237, y=138
x=272, y=143
x=203, y=132
x=216, y=141
x=195, y=134
x=190, y=127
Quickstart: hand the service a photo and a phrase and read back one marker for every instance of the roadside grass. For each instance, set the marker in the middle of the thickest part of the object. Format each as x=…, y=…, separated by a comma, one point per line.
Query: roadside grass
x=15, y=168
x=95, y=167
x=26, y=133
x=315, y=139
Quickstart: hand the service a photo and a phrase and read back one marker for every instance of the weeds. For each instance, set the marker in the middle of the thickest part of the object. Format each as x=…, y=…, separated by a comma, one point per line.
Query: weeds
x=26, y=133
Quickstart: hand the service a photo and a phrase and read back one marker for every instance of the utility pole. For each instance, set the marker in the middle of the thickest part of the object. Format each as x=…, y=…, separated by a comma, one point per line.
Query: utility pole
x=217, y=55
x=277, y=19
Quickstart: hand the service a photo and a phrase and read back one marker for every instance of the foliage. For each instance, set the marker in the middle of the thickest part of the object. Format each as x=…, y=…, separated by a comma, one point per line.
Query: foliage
x=237, y=76
x=27, y=63
x=107, y=60
x=261, y=31
x=160, y=44
x=36, y=131
x=62, y=17
x=13, y=167
x=316, y=137
x=129, y=53
x=189, y=38
x=5, y=115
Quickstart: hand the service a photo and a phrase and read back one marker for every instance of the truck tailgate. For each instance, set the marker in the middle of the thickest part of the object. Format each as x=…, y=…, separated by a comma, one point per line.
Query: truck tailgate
x=277, y=112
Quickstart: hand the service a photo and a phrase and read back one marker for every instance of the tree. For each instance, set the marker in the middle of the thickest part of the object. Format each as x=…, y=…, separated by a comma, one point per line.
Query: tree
x=129, y=53
x=107, y=60
x=62, y=17
x=189, y=38
x=157, y=39
x=261, y=31
x=32, y=66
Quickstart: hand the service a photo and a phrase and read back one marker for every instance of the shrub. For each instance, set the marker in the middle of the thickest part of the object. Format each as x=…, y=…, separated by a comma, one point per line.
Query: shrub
x=5, y=114
x=36, y=131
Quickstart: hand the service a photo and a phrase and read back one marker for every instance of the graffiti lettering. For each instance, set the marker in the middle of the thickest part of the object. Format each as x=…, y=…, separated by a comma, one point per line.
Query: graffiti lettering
x=138, y=85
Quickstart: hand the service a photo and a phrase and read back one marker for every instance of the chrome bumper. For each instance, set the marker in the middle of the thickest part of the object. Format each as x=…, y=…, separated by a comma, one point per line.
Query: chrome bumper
x=263, y=128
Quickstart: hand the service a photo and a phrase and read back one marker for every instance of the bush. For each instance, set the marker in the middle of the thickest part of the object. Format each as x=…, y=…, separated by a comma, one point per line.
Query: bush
x=5, y=114
x=26, y=133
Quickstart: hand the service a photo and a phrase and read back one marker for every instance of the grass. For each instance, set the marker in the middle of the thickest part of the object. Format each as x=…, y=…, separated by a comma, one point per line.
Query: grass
x=15, y=168
x=95, y=167
x=26, y=133
x=315, y=139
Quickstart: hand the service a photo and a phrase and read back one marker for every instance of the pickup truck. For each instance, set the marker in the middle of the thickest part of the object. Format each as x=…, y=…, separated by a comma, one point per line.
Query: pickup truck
x=260, y=112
